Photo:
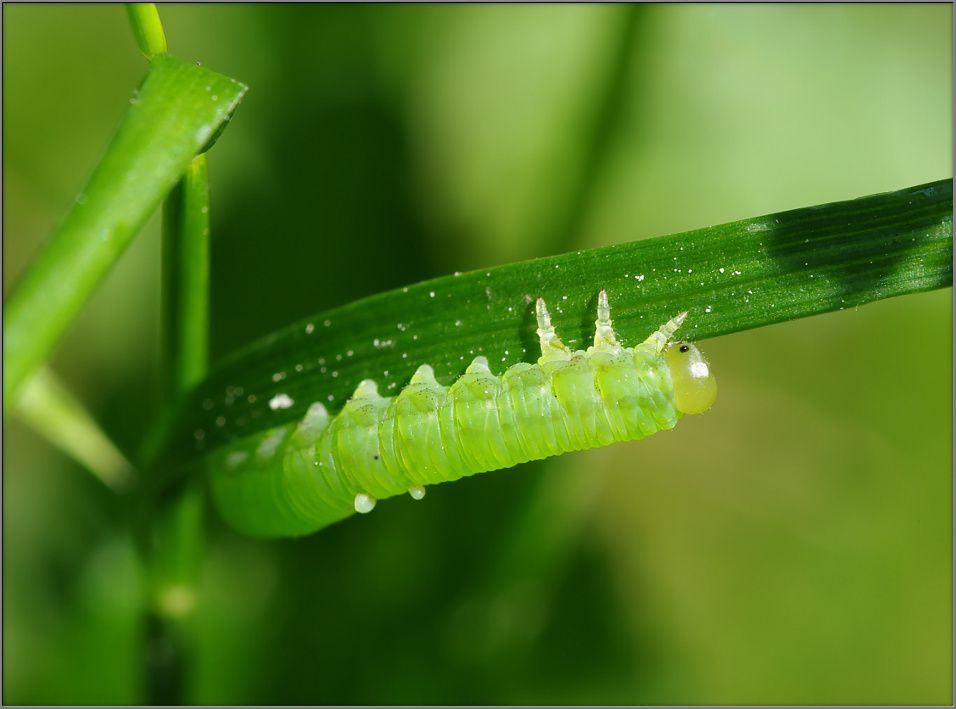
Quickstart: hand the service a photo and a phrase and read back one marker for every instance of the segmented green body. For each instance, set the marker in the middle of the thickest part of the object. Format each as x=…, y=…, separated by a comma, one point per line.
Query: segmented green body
x=299, y=478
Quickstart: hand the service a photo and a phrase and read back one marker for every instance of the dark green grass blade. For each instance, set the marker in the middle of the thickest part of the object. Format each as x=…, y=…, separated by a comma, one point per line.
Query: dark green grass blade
x=731, y=277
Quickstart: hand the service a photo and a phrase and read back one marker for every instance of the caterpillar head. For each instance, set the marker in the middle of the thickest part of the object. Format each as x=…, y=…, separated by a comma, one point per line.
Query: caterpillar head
x=695, y=387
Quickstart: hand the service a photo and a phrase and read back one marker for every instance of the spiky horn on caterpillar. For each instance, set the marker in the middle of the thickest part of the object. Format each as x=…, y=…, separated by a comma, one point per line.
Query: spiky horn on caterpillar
x=298, y=478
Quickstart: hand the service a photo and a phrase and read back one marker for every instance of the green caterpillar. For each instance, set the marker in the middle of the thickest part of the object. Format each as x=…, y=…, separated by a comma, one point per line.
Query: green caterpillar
x=298, y=478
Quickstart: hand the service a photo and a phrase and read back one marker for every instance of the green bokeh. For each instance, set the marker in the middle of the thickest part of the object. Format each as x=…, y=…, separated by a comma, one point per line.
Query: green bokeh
x=791, y=546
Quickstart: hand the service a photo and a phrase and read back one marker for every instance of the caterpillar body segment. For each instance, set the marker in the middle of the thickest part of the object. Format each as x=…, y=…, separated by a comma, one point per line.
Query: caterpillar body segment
x=301, y=477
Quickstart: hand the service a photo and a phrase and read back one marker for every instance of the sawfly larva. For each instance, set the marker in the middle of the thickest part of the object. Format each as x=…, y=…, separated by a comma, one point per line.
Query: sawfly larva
x=298, y=478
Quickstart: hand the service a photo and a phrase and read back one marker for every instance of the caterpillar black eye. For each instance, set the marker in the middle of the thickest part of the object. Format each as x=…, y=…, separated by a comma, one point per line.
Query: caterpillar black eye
x=695, y=388
x=300, y=478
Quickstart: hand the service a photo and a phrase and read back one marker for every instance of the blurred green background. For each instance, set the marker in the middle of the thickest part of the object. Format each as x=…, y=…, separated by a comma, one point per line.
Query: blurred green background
x=794, y=545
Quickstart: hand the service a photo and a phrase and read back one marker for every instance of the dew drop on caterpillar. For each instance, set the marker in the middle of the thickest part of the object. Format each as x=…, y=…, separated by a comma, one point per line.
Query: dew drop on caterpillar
x=298, y=478
x=363, y=503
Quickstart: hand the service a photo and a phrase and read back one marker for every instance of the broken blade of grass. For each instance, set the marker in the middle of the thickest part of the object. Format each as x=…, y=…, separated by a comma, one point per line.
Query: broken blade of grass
x=173, y=117
x=53, y=412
